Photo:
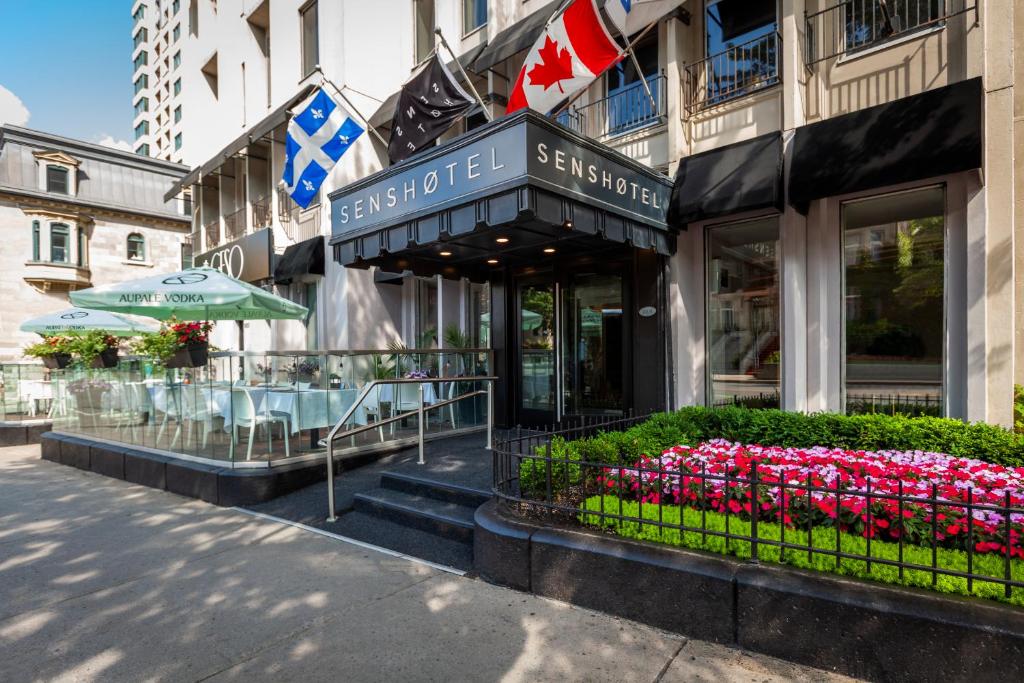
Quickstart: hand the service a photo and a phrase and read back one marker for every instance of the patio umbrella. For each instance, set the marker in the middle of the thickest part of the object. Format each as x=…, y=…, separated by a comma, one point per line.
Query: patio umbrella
x=84, y=319
x=193, y=294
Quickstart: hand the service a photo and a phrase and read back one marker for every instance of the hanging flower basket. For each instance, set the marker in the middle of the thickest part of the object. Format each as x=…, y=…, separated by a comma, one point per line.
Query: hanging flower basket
x=56, y=361
x=106, y=359
x=189, y=356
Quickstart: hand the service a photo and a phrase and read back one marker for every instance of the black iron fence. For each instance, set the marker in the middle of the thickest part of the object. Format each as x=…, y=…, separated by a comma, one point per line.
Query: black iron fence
x=755, y=513
x=852, y=25
x=632, y=107
x=737, y=72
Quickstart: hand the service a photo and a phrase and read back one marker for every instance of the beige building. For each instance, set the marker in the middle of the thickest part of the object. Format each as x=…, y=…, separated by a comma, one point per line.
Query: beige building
x=74, y=215
x=841, y=234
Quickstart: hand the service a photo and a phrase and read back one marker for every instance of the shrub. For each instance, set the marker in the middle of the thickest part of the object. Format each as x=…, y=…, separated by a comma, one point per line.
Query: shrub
x=821, y=538
x=693, y=425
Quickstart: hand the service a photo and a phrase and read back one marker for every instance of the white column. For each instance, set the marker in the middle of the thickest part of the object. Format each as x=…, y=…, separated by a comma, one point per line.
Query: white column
x=686, y=316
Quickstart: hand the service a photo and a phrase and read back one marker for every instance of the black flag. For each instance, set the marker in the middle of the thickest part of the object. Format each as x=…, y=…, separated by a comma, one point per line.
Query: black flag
x=431, y=101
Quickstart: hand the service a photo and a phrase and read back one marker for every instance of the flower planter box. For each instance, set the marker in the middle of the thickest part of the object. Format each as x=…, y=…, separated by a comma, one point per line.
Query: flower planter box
x=106, y=359
x=191, y=356
x=57, y=361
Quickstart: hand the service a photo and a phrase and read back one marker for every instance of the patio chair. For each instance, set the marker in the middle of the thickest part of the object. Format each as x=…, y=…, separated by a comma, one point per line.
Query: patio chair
x=243, y=414
x=197, y=410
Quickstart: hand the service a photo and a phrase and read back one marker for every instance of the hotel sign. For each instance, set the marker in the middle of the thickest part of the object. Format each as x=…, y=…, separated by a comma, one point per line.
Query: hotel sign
x=525, y=152
x=248, y=258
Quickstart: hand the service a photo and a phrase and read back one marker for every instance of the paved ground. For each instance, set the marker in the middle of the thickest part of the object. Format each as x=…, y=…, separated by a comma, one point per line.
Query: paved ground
x=101, y=580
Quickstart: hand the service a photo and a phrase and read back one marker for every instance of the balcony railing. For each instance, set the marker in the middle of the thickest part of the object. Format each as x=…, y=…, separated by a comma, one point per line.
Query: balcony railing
x=627, y=109
x=234, y=224
x=854, y=25
x=299, y=224
x=262, y=214
x=734, y=73
x=212, y=230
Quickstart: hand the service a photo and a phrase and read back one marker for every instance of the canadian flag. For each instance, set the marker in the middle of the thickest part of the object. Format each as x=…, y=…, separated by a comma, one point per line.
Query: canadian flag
x=572, y=52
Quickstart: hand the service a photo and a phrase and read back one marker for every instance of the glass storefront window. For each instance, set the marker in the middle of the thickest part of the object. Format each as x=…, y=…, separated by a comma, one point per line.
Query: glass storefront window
x=593, y=337
x=479, y=323
x=894, y=264
x=743, y=342
x=426, y=313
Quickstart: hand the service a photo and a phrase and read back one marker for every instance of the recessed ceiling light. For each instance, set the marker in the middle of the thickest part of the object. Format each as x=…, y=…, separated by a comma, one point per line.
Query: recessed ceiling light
x=446, y=253
x=568, y=225
x=492, y=261
x=502, y=240
x=549, y=250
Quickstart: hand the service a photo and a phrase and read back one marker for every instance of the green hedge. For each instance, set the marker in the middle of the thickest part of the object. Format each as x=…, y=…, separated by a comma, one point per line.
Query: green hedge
x=821, y=538
x=776, y=428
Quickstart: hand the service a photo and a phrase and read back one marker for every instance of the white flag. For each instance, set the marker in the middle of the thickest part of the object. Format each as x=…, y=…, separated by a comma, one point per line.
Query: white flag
x=630, y=16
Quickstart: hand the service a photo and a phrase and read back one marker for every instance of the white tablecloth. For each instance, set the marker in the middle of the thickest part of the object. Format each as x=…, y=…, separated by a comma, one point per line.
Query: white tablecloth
x=388, y=392
x=313, y=408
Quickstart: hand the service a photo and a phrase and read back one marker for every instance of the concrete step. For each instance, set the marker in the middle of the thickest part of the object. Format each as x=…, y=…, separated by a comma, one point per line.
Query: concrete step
x=444, y=519
x=432, y=488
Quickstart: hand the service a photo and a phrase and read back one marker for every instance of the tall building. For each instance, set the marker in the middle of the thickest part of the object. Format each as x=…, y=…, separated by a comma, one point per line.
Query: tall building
x=157, y=39
x=841, y=233
x=75, y=215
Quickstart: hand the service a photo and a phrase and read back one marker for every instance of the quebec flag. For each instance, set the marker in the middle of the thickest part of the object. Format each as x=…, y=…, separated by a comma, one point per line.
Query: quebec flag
x=317, y=137
x=630, y=16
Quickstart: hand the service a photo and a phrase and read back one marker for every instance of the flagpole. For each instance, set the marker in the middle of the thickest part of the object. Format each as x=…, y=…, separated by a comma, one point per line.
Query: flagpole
x=643, y=79
x=351, y=106
x=628, y=48
x=469, y=81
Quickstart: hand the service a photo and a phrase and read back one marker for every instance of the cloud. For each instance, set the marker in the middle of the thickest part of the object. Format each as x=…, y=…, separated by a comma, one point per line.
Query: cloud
x=109, y=141
x=12, y=109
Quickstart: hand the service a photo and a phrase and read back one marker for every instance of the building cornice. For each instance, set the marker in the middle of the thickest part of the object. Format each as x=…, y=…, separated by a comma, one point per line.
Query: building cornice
x=57, y=156
x=41, y=201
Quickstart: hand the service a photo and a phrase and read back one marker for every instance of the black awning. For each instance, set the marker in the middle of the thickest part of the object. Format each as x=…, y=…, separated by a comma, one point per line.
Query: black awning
x=258, y=131
x=303, y=258
x=385, y=113
x=744, y=176
x=922, y=136
x=516, y=38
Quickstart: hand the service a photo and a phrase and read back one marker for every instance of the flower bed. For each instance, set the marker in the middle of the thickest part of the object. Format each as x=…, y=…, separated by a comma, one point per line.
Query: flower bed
x=886, y=495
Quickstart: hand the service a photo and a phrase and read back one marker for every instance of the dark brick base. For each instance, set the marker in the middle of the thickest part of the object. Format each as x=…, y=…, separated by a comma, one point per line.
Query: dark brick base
x=858, y=628
x=21, y=435
x=218, y=485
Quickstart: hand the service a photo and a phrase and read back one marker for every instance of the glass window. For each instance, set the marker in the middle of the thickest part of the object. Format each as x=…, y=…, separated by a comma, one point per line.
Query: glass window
x=177, y=59
x=872, y=21
x=35, y=240
x=474, y=14
x=741, y=47
x=141, y=60
x=141, y=83
x=57, y=179
x=139, y=13
x=177, y=141
x=593, y=336
x=177, y=114
x=136, y=247
x=143, y=149
x=895, y=287
x=142, y=129
x=177, y=87
x=479, y=323
x=176, y=33
x=140, y=37
x=744, y=346
x=80, y=249
x=142, y=106
x=423, y=18
x=312, y=340
x=426, y=313
x=60, y=243
x=310, y=38
x=187, y=260
x=175, y=6
x=628, y=104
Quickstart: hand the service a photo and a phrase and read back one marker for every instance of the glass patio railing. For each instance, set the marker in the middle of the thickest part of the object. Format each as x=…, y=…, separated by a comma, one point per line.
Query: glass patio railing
x=25, y=392
x=259, y=409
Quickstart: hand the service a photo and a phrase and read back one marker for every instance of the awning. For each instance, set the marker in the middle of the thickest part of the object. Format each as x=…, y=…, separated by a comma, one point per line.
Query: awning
x=744, y=176
x=303, y=258
x=385, y=113
x=516, y=38
x=257, y=132
x=922, y=136
x=551, y=190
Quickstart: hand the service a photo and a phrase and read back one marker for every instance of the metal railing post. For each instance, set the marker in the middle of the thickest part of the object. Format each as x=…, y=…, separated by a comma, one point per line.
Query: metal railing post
x=490, y=415
x=422, y=460
x=330, y=481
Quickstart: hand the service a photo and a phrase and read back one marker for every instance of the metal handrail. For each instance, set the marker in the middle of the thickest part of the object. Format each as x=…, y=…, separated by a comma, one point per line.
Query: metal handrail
x=333, y=434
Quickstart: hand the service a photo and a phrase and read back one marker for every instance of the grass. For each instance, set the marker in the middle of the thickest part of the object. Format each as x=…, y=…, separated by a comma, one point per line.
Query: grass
x=821, y=538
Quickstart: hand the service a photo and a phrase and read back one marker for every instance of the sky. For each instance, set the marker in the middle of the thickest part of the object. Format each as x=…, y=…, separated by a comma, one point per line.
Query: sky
x=65, y=68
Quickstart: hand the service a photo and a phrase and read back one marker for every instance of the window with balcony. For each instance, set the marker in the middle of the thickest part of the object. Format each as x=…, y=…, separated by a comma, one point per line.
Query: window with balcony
x=142, y=129
x=57, y=180
x=136, y=247
x=629, y=104
x=741, y=42
x=143, y=149
x=474, y=15
x=60, y=243
x=141, y=83
x=141, y=60
x=424, y=22
x=140, y=38
x=309, y=22
x=142, y=106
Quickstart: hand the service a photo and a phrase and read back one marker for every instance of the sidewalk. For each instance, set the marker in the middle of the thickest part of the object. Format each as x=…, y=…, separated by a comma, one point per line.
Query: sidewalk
x=102, y=580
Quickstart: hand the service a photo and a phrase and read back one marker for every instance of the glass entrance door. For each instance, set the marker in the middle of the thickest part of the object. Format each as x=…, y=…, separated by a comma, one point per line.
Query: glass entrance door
x=571, y=328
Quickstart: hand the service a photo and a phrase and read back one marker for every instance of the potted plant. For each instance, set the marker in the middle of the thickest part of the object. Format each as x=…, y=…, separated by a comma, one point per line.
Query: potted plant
x=461, y=365
x=95, y=348
x=160, y=345
x=194, y=338
x=303, y=371
x=54, y=351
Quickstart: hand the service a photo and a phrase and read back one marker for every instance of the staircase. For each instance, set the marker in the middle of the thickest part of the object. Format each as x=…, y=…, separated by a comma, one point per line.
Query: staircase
x=417, y=516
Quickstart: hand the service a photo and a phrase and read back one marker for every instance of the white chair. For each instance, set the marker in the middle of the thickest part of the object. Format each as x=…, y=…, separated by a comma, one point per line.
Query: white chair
x=243, y=414
x=197, y=410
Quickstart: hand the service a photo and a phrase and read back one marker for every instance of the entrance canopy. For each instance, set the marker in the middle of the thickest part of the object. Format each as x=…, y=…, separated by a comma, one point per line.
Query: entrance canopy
x=514, y=192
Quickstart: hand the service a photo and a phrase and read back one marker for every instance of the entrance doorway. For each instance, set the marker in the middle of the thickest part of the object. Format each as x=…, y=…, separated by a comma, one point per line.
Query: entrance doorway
x=573, y=345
